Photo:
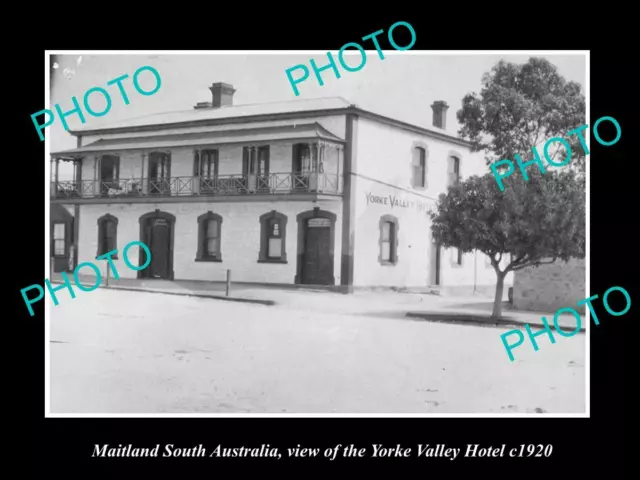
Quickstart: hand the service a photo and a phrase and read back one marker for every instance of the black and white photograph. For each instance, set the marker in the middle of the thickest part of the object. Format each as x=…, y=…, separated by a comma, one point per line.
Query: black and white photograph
x=282, y=233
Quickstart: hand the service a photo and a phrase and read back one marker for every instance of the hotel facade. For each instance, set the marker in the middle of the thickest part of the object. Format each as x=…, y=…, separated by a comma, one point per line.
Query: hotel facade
x=310, y=192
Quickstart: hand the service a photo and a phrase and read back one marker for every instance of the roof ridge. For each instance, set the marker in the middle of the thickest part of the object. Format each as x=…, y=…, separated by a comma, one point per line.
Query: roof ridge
x=242, y=105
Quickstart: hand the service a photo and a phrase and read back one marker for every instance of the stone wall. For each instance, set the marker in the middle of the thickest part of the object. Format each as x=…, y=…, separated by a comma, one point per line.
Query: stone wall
x=550, y=287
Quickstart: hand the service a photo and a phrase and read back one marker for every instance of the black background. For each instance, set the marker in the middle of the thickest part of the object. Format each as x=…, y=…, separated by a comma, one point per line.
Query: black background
x=64, y=446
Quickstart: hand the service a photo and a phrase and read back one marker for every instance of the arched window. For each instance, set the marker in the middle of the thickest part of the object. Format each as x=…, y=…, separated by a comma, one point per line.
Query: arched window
x=419, y=166
x=388, y=240
x=273, y=234
x=453, y=171
x=107, y=234
x=209, y=238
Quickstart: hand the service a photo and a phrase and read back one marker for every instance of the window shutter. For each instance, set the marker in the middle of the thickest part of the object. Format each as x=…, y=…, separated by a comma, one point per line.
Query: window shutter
x=245, y=160
x=195, y=163
x=201, y=236
x=425, y=168
x=392, y=242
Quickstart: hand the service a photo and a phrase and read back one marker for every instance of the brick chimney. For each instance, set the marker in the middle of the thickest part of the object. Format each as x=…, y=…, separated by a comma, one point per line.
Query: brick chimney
x=222, y=94
x=440, y=114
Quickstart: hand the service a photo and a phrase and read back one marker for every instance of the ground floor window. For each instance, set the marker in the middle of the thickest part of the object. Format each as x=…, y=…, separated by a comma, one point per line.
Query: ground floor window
x=273, y=228
x=209, y=236
x=59, y=239
x=388, y=240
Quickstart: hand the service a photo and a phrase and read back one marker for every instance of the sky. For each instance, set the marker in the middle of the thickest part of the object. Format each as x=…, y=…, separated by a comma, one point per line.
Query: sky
x=403, y=85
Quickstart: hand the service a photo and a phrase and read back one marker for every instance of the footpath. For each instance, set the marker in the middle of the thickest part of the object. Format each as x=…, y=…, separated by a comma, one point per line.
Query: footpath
x=469, y=310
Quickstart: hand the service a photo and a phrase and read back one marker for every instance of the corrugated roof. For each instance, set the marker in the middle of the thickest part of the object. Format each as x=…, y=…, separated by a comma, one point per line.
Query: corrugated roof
x=59, y=213
x=194, y=115
x=241, y=135
x=291, y=107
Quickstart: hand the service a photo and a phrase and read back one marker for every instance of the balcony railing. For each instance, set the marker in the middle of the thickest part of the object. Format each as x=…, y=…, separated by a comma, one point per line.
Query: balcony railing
x=222, y=185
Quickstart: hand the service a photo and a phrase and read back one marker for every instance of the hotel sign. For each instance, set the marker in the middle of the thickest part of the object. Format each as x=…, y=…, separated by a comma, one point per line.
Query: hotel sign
x=395, y=201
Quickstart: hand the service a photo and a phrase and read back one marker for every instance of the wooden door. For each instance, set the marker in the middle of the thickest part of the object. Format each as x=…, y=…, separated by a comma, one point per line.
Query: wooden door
x=159, y=174
x=160, y=246
x=318, y=262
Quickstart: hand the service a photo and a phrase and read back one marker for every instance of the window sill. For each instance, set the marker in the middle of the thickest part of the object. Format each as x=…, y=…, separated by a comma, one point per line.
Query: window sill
x=205, y=259
x=272, y=260
x=385, y=263
x=114, y=257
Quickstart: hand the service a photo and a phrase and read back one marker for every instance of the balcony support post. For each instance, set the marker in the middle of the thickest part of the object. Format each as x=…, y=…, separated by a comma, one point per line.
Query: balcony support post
x=197, y=182
x=78, y=174
x=52, y=182
x=315, y=162
x=338, y=161
x=96, y=175
x=143, y=157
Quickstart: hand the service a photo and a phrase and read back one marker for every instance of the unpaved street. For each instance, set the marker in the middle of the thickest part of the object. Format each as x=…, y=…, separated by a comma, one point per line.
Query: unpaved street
x=117, y=352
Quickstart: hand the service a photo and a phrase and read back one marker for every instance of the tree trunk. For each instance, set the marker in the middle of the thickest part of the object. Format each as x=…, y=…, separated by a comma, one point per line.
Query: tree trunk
x=497, y=302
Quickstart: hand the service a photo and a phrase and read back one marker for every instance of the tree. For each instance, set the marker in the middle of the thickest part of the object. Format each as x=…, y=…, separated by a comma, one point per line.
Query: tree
x=537, y=222
x=521, y=106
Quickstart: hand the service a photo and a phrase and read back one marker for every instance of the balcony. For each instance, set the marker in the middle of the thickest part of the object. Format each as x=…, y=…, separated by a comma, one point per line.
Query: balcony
x=220, y=186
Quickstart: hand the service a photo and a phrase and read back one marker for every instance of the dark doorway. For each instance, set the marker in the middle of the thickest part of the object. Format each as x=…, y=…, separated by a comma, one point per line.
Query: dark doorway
x=109, y=173
x=316, y=231
x=316, y=269
x=157, y=232
x=159, y=173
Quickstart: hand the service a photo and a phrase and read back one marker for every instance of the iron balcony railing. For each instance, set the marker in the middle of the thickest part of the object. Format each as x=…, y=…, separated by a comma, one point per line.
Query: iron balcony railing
x=274, y=183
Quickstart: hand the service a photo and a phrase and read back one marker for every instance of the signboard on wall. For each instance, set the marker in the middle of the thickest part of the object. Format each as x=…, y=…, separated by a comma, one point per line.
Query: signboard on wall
x=396, y=202
x=319, y=222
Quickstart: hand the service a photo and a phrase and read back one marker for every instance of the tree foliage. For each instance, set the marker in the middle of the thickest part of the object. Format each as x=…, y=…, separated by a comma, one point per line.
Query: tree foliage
x=542, y=218
x=537, y=222
x=521, y=106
